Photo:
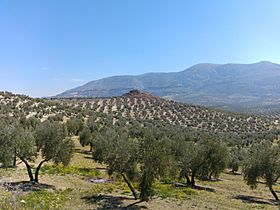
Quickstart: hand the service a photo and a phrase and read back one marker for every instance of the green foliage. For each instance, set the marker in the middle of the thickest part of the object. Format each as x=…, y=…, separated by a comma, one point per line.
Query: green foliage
x=7, y=200
x=263, y=161
x=237, y=156
x=29, y=123
x=91, y=124
x=145, y=185
x=57, y=117
x=107, y=188
x=89, y=132
x=65, y=151
x=117, y=150
x=63, y=170
x=26, y=145
x=154, y=158
x=169, y=191
x=215, y=155
x=85, y=137
x=7, y=143
x=46, y=200
x=74, y=126
x=201, y=159
x=134, y=156
x=49, y=138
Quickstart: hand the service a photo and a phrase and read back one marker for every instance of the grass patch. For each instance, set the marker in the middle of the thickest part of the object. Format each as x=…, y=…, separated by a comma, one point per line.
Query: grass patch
x=45, y=200
x=169, y=191
x=6, y=172
x=7, y=200
x=62, y=170
x=104, y=188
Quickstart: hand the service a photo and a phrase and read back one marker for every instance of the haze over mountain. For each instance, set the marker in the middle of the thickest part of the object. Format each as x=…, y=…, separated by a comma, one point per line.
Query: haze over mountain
x=228, y=86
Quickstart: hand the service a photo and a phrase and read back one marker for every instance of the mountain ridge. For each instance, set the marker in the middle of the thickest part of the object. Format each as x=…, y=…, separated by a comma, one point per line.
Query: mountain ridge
x=223, y=86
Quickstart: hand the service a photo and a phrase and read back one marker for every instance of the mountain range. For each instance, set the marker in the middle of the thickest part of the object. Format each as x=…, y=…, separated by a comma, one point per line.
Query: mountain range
x=225, y=86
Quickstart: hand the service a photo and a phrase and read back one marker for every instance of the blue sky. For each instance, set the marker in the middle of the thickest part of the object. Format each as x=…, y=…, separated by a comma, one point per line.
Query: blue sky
x=49, y=46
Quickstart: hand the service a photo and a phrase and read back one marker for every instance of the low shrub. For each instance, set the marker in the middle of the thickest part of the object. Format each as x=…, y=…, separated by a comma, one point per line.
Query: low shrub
x=62, y=170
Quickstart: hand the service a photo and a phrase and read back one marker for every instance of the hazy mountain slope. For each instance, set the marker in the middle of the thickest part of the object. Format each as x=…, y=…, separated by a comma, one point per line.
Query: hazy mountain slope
x=232, y=86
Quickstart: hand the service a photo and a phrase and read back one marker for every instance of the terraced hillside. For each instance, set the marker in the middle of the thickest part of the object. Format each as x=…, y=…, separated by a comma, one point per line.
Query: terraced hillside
x=273, y=112
x=140, y=105
x=19, y=104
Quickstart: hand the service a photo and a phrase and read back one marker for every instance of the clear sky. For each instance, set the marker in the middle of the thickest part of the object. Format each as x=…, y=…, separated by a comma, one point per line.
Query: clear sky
x=49, y=46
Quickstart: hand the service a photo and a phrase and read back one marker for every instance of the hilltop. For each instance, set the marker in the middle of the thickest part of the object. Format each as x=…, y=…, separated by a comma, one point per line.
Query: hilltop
x=237, y=87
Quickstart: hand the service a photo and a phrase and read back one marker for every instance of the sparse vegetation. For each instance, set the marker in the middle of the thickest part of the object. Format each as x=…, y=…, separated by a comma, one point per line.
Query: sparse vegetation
x=45, y=200
x=135, y=145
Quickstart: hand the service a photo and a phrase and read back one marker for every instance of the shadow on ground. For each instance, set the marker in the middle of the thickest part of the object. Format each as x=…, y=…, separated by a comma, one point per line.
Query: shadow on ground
x=196, y=187
x=211, y=179
x=234, y=174
x=113, y=202
x=208, y=189
x=88, y=157
x=27, y=186
x=82, y=151
x=257, y=200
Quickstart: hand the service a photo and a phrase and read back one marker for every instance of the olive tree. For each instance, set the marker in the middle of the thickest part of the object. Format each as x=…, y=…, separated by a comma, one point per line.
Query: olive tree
x=237, y=156
x=119, y=152
x=74, y=126
x=154, y=159
x=144, y=155
x=200, y=159
x=7, y=143
x=50, y=141
x=86, y=138
x=89, y=132
x=216, y=156
x=263, y=161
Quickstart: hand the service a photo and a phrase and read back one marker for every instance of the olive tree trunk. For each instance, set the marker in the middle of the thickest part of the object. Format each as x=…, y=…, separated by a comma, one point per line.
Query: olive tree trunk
x=188, y=180
x=38, y=169
x=273, y=193
x=193, y=179
x=130, y=186
x=29, y=170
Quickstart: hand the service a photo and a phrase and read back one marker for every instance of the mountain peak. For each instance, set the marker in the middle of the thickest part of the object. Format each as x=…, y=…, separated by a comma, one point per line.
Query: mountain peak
x=266, y=62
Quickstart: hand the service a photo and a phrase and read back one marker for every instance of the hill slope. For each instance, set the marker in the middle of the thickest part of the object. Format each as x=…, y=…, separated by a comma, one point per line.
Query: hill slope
x=229, y=86
x=140, y=105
